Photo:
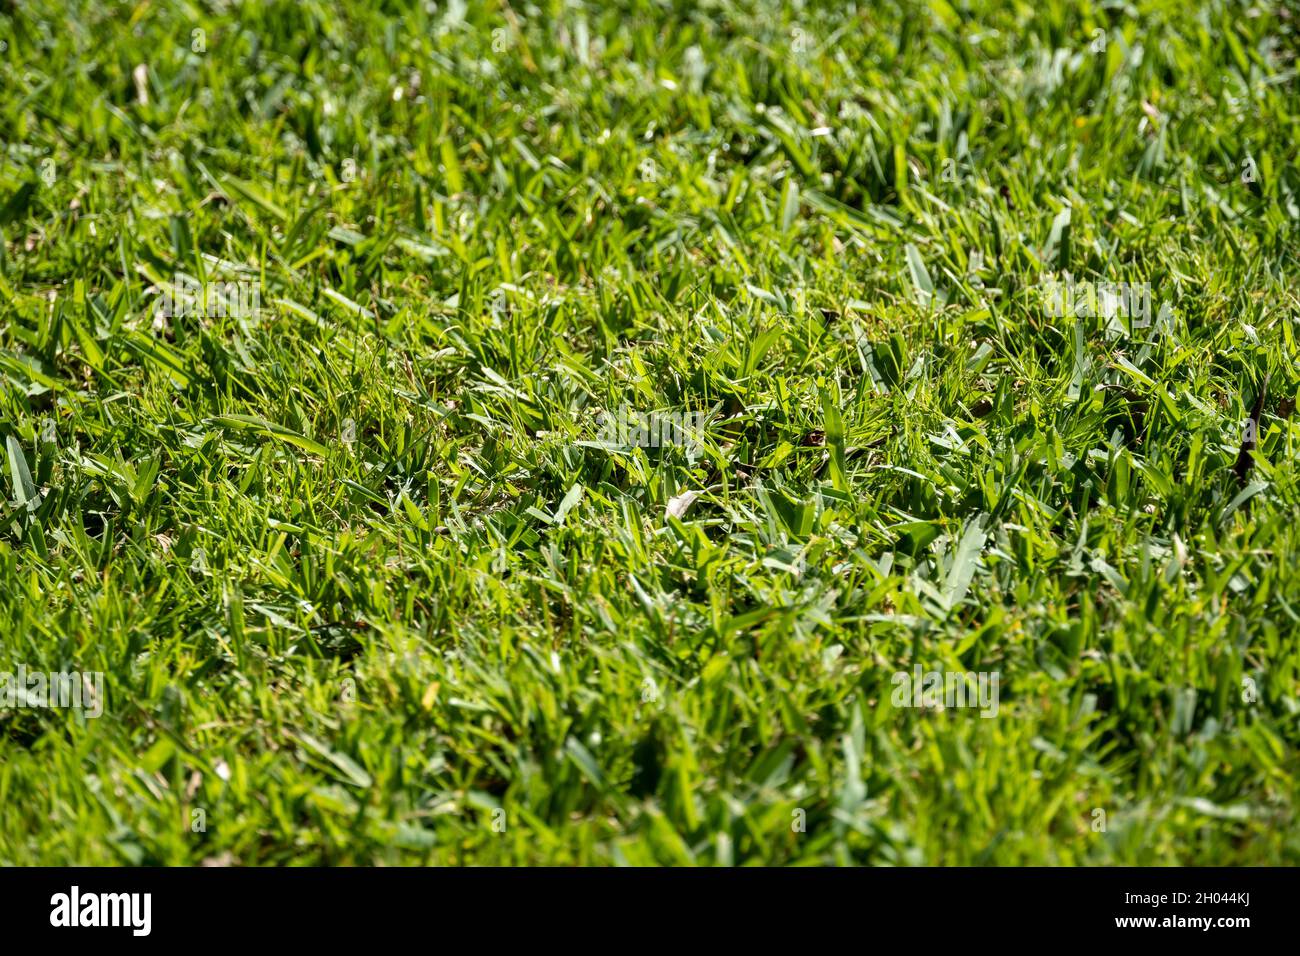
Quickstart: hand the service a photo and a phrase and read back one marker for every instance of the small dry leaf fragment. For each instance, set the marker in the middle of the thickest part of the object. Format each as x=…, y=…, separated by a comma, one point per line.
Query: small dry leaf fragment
x=430, y=695
x=141, y=76
x=677, y=505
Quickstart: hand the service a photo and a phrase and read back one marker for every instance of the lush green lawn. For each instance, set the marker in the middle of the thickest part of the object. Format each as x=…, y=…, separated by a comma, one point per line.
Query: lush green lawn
x=369, y=579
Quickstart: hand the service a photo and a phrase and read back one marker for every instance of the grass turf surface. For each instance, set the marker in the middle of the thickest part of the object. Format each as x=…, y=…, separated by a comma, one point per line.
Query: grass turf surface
x=366, y=583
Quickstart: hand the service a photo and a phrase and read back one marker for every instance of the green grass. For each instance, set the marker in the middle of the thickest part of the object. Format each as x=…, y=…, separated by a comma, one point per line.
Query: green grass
x=366, y=585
